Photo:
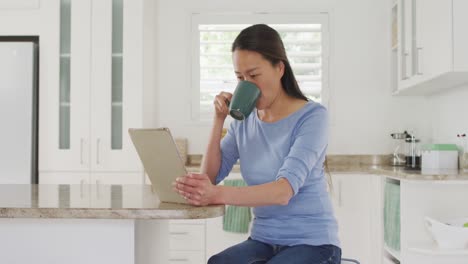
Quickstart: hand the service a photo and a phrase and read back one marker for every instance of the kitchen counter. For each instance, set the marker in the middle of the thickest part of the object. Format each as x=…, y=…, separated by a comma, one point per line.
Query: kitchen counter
x=94, y=201
x=367, y=164
x=400, y=173
x=89, y=223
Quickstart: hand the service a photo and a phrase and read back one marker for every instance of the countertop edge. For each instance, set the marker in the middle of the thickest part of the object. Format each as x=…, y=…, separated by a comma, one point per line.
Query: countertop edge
x=109, y=213
x=399, y=173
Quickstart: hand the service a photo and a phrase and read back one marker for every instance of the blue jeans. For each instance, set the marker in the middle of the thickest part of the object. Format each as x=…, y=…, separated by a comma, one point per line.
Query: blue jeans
x=256, y=252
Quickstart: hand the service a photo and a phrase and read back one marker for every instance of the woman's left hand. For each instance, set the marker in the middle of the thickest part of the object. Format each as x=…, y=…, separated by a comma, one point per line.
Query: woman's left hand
x=197, y=189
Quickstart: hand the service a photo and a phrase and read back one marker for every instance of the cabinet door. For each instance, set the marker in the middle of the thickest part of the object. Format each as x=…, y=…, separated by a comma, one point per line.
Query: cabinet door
x=406, y=36
x=116, y=97
x=64, y=112
x=460, y=38
x=187, y=237
x=352, y=204
x=434, y=39
x=64, y=178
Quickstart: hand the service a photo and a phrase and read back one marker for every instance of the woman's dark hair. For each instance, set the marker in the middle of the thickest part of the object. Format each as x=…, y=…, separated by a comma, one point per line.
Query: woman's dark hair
x=266, y=41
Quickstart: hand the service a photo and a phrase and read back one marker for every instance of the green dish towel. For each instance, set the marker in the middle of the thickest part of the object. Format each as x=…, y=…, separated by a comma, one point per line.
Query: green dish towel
x=237, y=218
x=392, y=215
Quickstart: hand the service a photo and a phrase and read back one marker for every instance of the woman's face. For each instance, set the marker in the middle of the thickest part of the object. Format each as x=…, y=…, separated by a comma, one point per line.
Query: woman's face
x=251, y=66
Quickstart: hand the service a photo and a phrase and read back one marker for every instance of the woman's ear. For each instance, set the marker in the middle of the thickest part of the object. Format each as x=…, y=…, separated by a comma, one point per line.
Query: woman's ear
x=281, y=67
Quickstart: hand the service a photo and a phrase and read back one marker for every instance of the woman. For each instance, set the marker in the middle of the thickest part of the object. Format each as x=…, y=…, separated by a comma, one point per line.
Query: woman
x=281, y=147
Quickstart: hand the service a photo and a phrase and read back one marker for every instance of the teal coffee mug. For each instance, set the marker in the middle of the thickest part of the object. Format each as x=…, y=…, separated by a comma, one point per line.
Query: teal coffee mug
x=243, y=100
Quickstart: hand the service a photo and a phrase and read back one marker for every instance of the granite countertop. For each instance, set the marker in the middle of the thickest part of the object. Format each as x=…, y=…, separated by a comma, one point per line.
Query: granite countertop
x=368, y=164
x=95, y=202
x=400, y=173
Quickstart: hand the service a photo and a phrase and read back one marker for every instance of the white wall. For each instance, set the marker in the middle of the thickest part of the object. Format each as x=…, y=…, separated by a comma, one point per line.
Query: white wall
x=363, y=112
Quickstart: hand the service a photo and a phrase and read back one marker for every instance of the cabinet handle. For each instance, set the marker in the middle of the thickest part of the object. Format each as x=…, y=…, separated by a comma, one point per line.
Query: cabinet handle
x=178, y=233
x=81, y=150
x=98, y=143
x=418, y=61
x=403, y=66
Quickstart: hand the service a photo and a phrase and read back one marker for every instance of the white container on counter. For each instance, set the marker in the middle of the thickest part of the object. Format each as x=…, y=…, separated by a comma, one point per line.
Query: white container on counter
x=439, y=157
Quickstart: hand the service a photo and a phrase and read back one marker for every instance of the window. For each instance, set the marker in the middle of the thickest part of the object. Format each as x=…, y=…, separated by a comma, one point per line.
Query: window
x=305, y=38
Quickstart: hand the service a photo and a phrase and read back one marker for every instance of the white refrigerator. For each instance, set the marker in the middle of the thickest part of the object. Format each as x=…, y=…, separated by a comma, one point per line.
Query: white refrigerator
x=18, y=111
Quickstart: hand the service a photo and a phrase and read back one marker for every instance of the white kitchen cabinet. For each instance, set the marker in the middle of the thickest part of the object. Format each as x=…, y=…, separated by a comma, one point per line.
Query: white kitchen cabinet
x=355, y=199
x=430, y=53
x=195, y=241
x=187, y=240
x=187, y=237
x=439, y=199
x=406, y=40
x=19, y=4
x=97, y=94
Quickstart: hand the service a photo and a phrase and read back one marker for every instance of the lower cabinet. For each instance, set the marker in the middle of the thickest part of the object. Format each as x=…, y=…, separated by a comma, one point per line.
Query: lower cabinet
x=195, y=241
x=356, y=200
x=187, y=241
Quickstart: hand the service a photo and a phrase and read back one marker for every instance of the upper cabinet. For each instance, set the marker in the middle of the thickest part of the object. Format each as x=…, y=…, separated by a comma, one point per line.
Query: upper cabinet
x=428, y=46
x=95, y=91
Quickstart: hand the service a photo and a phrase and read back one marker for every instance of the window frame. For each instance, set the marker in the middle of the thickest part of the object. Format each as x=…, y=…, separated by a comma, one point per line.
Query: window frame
x=253, y=18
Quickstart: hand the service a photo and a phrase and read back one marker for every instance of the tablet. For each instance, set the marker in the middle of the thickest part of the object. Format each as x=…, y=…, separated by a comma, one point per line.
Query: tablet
x=161, y=160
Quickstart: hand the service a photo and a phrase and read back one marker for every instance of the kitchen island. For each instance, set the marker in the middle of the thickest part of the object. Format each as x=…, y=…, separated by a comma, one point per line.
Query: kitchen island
x=88, y=223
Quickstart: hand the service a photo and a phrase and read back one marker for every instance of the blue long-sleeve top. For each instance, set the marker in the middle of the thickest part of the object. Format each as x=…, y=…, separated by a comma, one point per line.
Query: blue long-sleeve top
x=293, y=148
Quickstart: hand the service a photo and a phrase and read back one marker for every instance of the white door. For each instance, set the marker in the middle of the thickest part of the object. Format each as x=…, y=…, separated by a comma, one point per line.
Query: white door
x=64, y=113
x=116, y=96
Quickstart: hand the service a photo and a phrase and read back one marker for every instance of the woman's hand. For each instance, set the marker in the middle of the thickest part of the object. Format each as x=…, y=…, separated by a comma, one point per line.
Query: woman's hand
x=197, y=189
x=221, y=103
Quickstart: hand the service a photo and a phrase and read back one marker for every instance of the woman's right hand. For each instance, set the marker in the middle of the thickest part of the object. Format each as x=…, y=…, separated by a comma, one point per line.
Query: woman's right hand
x=221, y=103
